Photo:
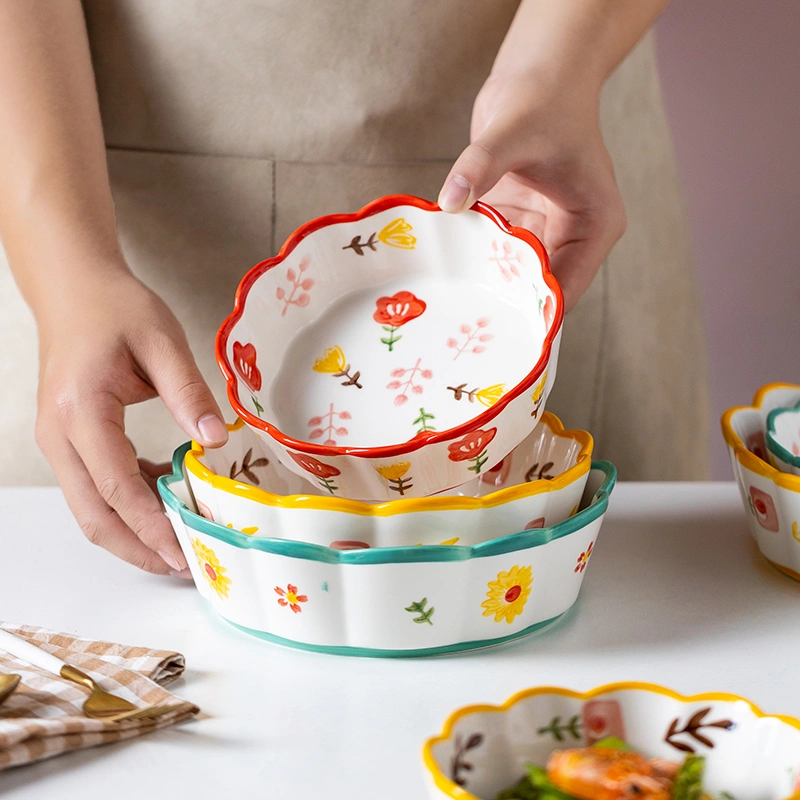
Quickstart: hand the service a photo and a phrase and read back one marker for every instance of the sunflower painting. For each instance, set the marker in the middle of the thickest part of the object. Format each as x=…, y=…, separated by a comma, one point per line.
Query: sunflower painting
x=508, y=595
x=213, y=571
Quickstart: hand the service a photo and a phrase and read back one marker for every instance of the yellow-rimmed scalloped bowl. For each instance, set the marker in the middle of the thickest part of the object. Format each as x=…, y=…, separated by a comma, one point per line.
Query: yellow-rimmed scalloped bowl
x=539, y=484
x=771, y=498
x=389, y=601
x=483, y=749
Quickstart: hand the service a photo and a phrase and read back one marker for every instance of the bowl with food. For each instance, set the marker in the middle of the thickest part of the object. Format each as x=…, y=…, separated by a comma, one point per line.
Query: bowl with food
x=388, y=601
x=398, y=335
x=619, y=741
x=540, y=483
x=771, y=498
x=783, y=439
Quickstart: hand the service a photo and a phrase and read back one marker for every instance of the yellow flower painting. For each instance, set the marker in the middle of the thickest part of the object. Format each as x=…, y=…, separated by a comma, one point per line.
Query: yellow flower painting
x=393, y=472
x=333, y=360
x=213, y=571
x=491, y=394
x=539, y=389
x=508, y=595
x=398, y=234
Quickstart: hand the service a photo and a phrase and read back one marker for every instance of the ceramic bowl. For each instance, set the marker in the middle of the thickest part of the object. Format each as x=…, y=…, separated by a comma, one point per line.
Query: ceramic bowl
x=484, y=749
x=538, y=484
x=771, y=498
x=393, y=601
x=397, y=341
x=783, y=439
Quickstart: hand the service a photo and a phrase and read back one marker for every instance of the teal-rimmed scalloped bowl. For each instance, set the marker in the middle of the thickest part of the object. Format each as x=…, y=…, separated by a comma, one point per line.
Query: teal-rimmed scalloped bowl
x=783, y=439
x=393, y=601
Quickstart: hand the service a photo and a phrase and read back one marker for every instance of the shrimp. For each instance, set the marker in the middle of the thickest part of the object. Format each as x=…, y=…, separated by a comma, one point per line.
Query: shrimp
x=601, y=773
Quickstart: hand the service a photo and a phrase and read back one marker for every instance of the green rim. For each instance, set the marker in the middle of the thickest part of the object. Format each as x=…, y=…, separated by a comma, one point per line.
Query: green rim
x=368, y=652
x=773, y=445
x=386, y=555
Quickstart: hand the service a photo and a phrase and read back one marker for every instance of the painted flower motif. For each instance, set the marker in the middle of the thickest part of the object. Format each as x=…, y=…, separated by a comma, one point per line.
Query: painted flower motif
x=472, y=448
x=535, y=523
x=394, y=474
x=248, y=531
x=244, y=362
x=508, y=595
x=213, y=571
x=538, y=390
x=398, y=309
x=204, y=510
x=601, y=719
x=584, y=557
x=289, y=597
x=348, y=544
x=324, y=473
x=491, y=394
x=549, y=311
x=397, y=234
x=334, y=363
x=756, y=445
x=763, y=506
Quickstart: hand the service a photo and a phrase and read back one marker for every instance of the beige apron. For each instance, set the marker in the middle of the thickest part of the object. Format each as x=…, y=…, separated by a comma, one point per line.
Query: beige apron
x=230, y=124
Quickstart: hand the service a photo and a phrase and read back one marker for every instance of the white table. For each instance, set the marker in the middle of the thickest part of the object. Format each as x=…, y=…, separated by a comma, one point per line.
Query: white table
x=676, y=594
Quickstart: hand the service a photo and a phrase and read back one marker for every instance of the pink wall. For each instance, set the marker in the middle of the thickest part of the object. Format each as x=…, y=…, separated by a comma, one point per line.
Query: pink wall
x=731, y=77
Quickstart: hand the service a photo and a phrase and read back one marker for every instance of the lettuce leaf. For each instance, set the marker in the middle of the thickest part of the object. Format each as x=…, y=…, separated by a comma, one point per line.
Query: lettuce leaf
x=534, y=786
x=689, y=780
x=613, y=743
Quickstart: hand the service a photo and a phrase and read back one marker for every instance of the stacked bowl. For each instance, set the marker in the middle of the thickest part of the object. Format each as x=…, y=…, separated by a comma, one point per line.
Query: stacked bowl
x=393, y=485
x=762, y=439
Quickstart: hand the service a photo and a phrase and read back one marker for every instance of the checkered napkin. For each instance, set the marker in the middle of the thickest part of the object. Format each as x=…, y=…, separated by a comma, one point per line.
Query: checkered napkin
x=43, y=717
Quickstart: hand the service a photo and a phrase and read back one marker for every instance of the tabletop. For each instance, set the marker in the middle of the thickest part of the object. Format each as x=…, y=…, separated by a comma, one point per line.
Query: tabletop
x=676, y=594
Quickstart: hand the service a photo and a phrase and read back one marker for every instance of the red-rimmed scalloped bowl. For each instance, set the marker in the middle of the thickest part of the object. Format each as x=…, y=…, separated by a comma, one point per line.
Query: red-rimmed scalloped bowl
x=397, y=341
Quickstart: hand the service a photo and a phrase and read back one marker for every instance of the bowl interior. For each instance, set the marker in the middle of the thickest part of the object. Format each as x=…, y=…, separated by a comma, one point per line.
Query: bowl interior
x=547, y=452
x=749, y=755
x=749, y=423
x=370, y=332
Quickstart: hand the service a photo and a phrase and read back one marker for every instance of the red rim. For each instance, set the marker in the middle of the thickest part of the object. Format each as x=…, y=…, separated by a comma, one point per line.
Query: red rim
x=387, y=451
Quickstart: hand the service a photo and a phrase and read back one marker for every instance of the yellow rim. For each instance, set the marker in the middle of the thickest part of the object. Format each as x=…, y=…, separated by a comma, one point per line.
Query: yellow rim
x=750, y=460
x=193, y=465
x=451, y=789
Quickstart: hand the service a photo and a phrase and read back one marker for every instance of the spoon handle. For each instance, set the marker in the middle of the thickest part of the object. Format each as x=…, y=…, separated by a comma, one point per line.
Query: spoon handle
x=30, y=653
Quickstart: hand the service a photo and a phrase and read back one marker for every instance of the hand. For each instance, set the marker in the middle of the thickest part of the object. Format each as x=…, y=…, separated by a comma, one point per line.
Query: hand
x=110, y=344
x=537, y=155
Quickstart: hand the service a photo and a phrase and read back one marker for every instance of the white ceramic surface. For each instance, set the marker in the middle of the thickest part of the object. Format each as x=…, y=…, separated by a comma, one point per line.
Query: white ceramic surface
x=783, y=439
x=400, y=338
x=750, y=755
x=389, y=601
x=771, y=498
x=539, y=484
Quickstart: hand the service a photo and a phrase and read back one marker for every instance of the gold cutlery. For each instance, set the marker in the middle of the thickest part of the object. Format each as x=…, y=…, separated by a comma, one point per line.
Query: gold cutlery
x=8, y=683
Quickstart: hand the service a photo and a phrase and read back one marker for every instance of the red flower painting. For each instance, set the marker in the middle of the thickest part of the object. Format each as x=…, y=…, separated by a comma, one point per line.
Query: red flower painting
x=315, y=467
x=763, y=507
x=244, y=361
x=549, y=311
x=398, y=309
x=472, y=448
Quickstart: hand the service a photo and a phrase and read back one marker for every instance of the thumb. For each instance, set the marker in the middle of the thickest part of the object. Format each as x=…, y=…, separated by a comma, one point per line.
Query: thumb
x=475, y=172
x=175, y=376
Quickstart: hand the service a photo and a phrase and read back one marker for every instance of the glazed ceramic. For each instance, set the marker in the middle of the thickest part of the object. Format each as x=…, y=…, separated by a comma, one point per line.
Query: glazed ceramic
x=539, y=484
x=783, y=439
x=484, y=749
x=394, y=601
x=398, y=343
x=771, y=498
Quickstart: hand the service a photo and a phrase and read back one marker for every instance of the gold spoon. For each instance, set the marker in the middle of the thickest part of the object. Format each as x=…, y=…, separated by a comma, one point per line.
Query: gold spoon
x=7, y=685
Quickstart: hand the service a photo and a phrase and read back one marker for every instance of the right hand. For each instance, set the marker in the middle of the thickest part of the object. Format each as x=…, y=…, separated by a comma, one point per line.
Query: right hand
x=109, y=344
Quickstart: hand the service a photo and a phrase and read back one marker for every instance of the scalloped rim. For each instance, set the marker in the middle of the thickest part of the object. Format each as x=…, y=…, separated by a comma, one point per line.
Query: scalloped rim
x=404, y=505
x=386, y=555
x=388, y=451
x=773, y=445
x=750, y=460
x=451, y=789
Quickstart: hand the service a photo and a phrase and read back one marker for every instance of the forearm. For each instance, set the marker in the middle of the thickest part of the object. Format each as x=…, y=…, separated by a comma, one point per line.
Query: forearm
x=56, y=213
x=578, y=41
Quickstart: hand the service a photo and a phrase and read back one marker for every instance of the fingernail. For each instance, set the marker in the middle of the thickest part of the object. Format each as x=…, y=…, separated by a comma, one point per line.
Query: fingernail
x=454, y=194
x=172, y=561
x=185, y=574
x=212, y=429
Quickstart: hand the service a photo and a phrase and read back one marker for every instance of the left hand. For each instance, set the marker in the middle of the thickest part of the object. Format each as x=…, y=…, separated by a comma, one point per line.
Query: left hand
x=537, y=156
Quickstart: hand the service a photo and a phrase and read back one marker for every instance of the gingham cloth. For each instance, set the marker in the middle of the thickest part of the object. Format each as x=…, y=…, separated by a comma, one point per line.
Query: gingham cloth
x=43, y=717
